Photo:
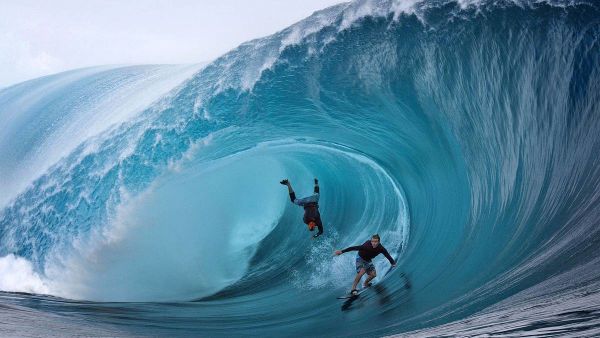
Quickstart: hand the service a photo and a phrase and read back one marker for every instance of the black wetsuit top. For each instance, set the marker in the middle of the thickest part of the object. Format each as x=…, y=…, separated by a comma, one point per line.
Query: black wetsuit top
x=368, y=252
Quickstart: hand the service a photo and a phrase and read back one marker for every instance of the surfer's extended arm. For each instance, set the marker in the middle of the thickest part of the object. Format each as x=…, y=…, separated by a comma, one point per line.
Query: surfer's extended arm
x=388, y=256
x=352, y=248
x=316, y=186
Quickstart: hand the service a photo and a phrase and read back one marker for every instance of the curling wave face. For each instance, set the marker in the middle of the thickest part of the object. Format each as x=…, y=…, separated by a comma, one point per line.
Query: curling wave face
x=464, y=134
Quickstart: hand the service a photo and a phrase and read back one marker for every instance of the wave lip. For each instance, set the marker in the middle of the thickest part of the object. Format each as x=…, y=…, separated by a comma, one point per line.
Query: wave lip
x=52, y=115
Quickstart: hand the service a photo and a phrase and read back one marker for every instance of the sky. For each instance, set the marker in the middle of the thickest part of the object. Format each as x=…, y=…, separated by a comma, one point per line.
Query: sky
x=40, y=37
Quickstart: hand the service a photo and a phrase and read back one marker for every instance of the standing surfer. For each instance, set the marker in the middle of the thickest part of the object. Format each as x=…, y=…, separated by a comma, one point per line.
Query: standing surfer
x=366, y=252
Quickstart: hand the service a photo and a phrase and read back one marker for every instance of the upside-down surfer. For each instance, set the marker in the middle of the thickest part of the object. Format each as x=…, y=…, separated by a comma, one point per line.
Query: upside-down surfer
x=312, y=217
x=366, y=252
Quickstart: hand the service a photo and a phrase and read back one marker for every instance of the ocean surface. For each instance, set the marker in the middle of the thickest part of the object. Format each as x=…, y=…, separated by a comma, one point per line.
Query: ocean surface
x=145, y=200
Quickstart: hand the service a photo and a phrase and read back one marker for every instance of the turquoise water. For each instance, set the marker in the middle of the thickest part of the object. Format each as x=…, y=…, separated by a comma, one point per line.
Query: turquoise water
x=145, y=200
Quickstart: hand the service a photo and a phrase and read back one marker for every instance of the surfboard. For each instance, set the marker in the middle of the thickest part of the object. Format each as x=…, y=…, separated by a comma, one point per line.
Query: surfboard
x=349, y=296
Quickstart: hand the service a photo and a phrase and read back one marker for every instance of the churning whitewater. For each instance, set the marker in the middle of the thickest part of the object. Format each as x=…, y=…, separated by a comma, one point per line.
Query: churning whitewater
x=146, y=199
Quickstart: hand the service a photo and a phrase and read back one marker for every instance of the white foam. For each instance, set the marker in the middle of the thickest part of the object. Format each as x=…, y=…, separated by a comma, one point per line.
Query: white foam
x=17, y=275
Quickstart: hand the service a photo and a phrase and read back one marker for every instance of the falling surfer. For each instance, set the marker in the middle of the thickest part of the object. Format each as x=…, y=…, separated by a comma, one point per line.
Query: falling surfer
x=366, y=252
x=312, y=217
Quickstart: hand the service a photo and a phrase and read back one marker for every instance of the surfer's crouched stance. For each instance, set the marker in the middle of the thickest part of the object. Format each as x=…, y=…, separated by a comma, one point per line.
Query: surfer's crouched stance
x=366, y=252
x=312, y=217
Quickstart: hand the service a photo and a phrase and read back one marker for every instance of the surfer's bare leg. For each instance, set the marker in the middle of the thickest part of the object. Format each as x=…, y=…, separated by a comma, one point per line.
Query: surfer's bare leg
x=372, y=275
x=290, y=190
x=357, y=278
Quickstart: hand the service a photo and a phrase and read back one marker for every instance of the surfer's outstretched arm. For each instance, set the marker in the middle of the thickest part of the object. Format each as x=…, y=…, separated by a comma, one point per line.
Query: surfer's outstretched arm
x=389, y=257
x=352, y=248
x=316, y=186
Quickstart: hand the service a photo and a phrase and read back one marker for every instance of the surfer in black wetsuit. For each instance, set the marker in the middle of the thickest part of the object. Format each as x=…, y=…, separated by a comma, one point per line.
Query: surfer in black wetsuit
x=312, y=217
x=366, y=252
